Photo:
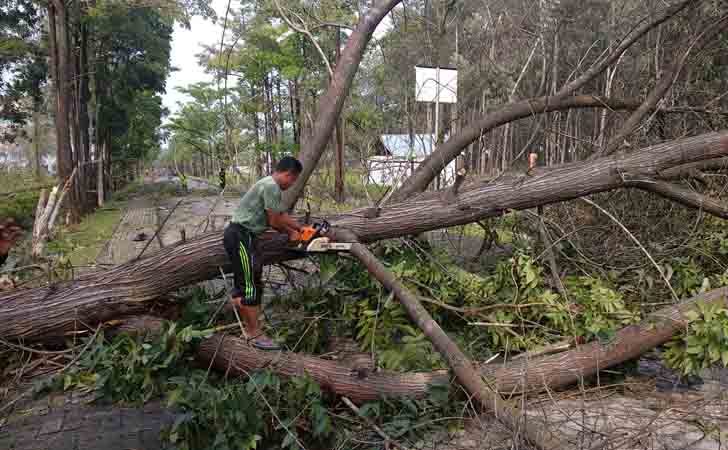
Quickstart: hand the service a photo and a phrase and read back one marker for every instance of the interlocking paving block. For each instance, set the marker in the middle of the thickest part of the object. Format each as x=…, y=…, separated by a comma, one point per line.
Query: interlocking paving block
x=54, y=425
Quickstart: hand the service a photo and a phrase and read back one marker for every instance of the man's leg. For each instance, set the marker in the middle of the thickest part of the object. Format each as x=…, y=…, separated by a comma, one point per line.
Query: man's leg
x=250, y=305
x=251, y=312
x=231, y=239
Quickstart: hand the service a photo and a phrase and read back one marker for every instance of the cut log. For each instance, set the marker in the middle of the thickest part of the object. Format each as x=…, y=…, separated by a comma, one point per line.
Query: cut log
x=564, y=369
x=34, y=314
x=228, y=353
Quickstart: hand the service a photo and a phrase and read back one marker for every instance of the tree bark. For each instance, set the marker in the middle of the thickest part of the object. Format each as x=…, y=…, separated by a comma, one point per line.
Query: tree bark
x=339, y=177
x=331, y=103
x=57, y=18
x=228, y=353
x=33, y=314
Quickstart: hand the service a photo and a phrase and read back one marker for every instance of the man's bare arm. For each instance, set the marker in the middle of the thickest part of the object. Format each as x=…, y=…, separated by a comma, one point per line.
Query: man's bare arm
x=282, y=222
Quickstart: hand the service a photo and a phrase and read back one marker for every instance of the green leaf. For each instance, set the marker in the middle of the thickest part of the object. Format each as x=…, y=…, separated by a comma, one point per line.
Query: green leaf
x=174, y=396
x=67, y=382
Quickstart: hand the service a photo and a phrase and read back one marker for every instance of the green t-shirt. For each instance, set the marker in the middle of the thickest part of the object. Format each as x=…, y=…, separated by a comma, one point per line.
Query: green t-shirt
x=250, y=213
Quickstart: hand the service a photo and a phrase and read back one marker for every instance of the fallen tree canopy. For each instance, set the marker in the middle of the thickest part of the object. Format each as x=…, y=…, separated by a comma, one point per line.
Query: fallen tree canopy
x=560, y=370
x=36, y=314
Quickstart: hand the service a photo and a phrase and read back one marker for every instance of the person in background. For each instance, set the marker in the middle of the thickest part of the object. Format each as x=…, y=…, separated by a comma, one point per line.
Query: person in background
x=259, y=209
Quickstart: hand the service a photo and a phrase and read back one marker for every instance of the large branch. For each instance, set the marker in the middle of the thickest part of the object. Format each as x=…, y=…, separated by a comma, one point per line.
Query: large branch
x=632, y=37
x=34, y=314
x=428, y=169
x=689, y=170
x=661, y=88
x=683, y=196
x=331, y=103
x=564, y=369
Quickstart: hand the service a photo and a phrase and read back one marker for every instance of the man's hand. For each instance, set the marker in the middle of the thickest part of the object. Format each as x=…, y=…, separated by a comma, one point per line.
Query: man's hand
x=294, y=236
x=10, y=232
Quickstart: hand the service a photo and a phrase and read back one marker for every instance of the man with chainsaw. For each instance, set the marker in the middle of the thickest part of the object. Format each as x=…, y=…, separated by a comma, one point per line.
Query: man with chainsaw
x=260, y=208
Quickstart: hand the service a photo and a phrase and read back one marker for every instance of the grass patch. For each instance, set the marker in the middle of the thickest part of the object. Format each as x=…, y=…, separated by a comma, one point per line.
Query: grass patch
x=19, y=192
x=81, y=243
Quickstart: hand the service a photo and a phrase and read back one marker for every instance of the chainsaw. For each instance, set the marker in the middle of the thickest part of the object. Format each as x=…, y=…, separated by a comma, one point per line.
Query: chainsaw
x=313, y=239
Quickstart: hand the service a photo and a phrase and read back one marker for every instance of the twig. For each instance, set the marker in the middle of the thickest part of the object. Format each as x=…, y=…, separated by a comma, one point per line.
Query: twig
x=33, y=350
x=636, y=241
x=158, y=230
x=451, y=195
x=63, y=369
x=235, y=310
x=19, y=269
x=387, y=440
x=308, y=34
x=273, y=411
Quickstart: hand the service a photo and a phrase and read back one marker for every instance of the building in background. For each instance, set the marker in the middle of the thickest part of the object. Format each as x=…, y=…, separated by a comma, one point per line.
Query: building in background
x=396, y=158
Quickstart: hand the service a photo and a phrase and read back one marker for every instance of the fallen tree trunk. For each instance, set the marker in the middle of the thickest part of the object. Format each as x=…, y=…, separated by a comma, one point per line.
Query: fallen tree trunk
x=523, y=375
x=563, y=369
x=35, y=314
x=228, y=353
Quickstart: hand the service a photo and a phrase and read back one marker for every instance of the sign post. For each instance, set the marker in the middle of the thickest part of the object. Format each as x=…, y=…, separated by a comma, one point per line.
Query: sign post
x=438, y=85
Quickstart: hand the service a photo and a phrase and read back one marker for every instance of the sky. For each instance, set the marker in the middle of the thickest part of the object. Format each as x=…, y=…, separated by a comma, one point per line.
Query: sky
x=185, y=45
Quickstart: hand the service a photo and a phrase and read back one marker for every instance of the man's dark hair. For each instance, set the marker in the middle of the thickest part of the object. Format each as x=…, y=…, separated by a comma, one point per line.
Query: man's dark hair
x=289, y=164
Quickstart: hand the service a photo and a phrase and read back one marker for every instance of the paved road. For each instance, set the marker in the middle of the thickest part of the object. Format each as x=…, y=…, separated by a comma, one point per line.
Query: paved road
x=63, y=422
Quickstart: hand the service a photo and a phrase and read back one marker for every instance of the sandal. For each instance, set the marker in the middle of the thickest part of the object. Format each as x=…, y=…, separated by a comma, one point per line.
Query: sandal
x=264, y=343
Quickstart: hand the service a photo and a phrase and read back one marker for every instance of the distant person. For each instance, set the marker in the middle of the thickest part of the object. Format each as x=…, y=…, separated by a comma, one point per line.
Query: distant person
x=183, y=182
x=222, y=178
x=10, y=232
x=260, y=208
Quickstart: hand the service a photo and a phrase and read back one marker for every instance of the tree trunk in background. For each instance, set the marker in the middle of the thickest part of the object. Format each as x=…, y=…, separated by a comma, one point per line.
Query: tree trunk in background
x=296, y=120
x=59, y=63
x=85, y=178
x=332, y=102
x=256, y=125
x=99, y=176
x=36, y=140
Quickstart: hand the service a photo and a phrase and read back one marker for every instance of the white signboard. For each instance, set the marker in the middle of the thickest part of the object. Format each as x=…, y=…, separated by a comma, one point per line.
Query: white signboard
x=431, y=82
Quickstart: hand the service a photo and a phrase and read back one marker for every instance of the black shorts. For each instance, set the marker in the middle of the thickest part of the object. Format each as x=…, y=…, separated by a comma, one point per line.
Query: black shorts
x=240, y=247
